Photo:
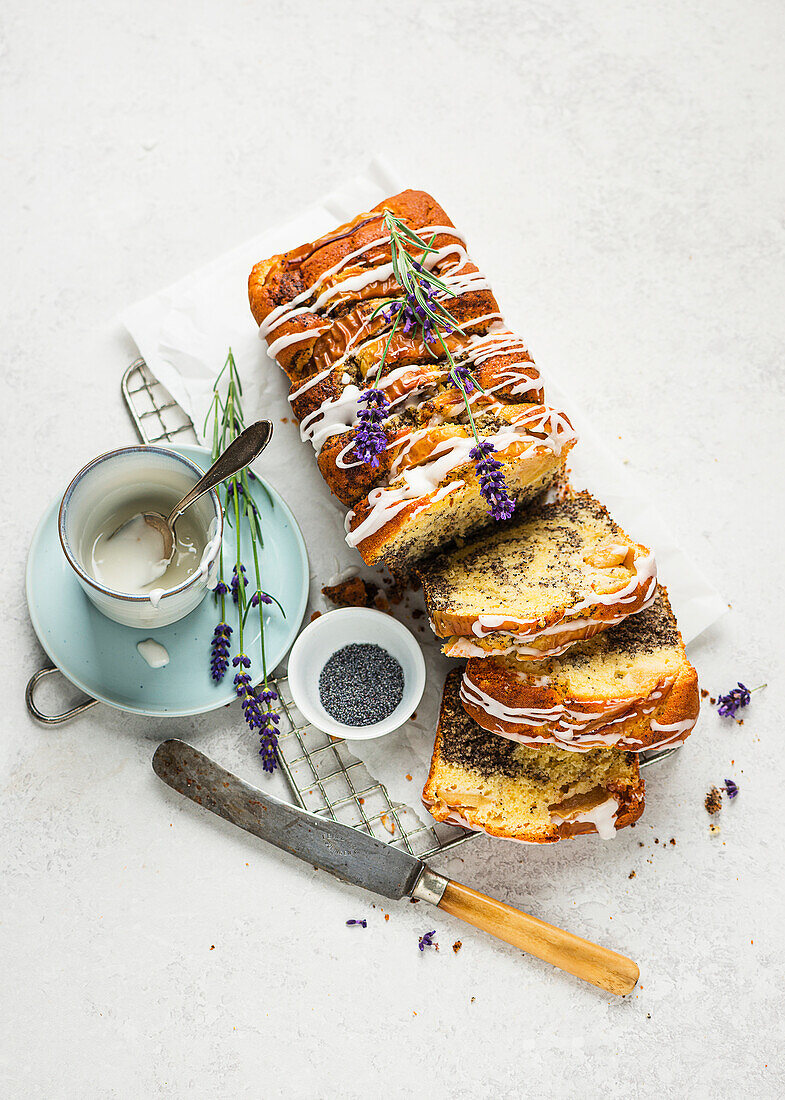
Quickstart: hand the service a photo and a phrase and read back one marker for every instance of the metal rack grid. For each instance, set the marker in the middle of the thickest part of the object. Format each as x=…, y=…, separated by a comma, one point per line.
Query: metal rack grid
x=322, y=774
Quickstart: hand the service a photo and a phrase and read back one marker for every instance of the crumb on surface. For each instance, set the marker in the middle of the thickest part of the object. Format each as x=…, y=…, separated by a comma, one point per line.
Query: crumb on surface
x=409, y=777
x=673, y=841
x=456, y=948
x=315, y=615
x=714, y=829
x=353, y=592
x=631, y=874
x=713, y=801
x=704, y=693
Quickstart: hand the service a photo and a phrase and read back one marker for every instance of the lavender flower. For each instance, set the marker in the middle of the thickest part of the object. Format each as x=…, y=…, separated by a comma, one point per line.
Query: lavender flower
x=221, y=589
x=461, y=376
x=363, y=923
x=235, y=582
x=428, y=941
x=268, y=740
x=730, y=788
x=219, y=651
x=733, y=701
x=370, y=438
x=492, y=484
x=257, y=596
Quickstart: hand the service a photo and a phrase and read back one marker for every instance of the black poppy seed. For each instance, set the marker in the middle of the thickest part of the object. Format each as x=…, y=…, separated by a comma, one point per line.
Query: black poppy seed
x=361, y=684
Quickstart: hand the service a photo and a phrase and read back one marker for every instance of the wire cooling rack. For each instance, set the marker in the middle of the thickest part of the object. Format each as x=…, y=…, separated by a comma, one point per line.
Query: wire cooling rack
x=322, y=774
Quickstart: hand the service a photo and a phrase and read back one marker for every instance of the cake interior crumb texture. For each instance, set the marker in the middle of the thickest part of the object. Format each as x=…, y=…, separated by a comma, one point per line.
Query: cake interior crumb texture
x=554, y=557
x=512, y=790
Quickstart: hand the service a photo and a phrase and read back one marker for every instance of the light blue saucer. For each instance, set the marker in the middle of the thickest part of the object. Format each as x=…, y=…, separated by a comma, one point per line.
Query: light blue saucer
x=100, y=656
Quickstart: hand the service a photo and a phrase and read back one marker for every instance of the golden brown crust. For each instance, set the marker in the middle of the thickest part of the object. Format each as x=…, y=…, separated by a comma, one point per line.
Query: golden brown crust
x=632, y=723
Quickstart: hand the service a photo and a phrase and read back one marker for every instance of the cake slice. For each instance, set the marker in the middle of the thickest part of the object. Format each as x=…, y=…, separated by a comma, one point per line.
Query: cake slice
x=430, y=495
x=536, y=585
x=541, y=795
x=631, y=687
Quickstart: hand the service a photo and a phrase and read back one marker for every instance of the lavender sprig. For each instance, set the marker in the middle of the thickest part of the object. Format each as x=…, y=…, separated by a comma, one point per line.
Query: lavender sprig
x=428, y=941
x=421, y=309
x=256, y=702
x=492, y=484
x=730, y=788
x=735, y=700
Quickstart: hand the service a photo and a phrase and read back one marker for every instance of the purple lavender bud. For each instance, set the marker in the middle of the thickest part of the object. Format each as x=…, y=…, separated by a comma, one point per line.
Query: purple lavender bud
x=370, y=437
x=730, y=788
x=493, y=487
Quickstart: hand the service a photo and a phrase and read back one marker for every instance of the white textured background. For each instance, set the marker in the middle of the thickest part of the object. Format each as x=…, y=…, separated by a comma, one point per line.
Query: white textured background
x=617, y=168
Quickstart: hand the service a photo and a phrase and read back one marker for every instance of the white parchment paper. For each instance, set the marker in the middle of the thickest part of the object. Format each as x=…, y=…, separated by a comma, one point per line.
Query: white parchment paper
x=183, y=333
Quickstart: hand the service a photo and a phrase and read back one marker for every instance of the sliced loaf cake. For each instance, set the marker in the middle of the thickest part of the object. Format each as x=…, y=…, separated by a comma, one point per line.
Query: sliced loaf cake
x=541, y=795
x=532, y=587
x=631, y=687
x=327, y=312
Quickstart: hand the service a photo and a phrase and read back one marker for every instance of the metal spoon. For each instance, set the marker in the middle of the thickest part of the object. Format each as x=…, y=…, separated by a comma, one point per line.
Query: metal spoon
x=240, y=452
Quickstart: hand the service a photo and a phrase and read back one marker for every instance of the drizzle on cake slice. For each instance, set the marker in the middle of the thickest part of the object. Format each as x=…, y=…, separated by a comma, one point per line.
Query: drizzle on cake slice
x=631, y=687
x=541, y=795
x=532, y=587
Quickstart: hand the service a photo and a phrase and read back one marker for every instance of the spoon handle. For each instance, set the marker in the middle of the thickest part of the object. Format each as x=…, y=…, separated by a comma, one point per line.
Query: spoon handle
x=240, y=452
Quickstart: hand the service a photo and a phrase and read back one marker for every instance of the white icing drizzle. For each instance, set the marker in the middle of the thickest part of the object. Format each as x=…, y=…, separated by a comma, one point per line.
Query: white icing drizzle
x=602, y=817
x=286, y=312
x=575, y=727
x=339, y=414
x=422, y=480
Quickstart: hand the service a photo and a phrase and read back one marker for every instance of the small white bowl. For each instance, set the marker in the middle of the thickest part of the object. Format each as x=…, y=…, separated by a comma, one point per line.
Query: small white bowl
x=346, y=626
x=104, y=485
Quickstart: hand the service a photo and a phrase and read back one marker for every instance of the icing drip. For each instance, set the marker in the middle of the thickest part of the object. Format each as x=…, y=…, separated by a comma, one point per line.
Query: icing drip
x=578, y=728
x=602, y=817
x=422, y=480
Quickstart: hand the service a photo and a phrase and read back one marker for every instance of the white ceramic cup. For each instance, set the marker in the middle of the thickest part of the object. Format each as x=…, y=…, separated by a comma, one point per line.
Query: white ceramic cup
x=331, y=632
x=99, y=491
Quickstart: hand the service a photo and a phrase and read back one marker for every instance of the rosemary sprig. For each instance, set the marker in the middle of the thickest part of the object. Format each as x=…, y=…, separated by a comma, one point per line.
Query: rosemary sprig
x=238, y=503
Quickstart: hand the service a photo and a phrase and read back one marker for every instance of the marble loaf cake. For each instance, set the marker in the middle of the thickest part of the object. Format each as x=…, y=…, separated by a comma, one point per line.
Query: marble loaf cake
x=318, y=308
x=532, y=587
x=630, y=687
x=491, y=784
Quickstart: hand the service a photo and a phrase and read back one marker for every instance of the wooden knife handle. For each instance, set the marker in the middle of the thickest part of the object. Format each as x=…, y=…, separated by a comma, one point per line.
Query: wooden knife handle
x=598, y=965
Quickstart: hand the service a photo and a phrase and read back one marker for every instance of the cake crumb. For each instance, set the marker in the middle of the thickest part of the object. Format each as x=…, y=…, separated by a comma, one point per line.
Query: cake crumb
x=704, y=693
x=315, y=615
x=456, y=948
x=714, y=829
x=631, y=874
x=673, y=841
x=713, y=801
x=388, y=824
x=386, y=916
x=353, y=592
x=473, y=1000
x=409, y=778
x=380, y=602
x=212, y=947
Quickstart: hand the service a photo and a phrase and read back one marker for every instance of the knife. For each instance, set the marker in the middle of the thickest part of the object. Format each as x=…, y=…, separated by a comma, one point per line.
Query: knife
x=360, y=859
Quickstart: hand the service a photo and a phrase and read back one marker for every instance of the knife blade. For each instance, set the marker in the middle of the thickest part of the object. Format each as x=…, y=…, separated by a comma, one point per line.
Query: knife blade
x=362, y=860
x=350, y=855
